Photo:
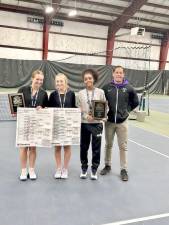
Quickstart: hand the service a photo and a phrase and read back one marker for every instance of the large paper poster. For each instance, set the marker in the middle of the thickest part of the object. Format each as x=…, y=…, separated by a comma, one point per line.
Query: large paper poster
x=66, y=126
x=47, y=127
x=34, y=127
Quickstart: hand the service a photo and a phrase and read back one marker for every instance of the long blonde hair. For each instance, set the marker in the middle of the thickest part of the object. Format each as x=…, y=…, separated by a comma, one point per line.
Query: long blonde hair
x=61, y=75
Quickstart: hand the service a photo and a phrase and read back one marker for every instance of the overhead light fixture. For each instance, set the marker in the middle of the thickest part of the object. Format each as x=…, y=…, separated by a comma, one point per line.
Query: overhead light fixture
x=49, y=9
x=73, y=12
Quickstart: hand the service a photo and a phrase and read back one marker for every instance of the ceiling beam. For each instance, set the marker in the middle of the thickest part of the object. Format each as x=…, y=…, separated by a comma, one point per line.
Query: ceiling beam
x=119, y=23
x=91, y=11
x=109, y=6
x=21, y=9
x=115, y=15
x=104, y=5
x=90, y=20
x=58, y=4
x=83, y=19
x=157, y=5
x=153, y=13
x=81, y=1
x=40, y=12
x=34, y=2
x=127, y=14
x=148, y=21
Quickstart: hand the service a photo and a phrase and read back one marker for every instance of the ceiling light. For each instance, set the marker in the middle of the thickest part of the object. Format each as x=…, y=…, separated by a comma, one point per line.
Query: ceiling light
x=72, y=13
x=49, y=9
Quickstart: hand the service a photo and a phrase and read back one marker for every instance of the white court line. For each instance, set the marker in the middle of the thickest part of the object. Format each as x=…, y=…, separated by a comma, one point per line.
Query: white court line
x=159, y=153
x=139, y=219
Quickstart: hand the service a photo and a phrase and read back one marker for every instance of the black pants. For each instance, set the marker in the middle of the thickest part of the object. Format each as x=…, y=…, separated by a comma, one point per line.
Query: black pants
x=88, y=131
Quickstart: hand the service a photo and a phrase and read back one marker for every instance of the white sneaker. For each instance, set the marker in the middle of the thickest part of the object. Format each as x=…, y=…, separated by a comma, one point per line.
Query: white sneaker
x=93, y=175
x=32, y=174
x=58, y=173
x=83, y=174
x=64, y=174
x=24, y=174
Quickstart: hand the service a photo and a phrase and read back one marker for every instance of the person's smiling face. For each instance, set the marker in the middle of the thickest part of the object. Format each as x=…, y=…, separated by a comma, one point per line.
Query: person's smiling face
x=60, y=83
x=88, y=80
x=118, y=75
x=37, y=81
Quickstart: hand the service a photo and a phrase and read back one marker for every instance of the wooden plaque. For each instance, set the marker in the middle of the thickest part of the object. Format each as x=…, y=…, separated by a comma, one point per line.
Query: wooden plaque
x=99, y=109
x=15, y=101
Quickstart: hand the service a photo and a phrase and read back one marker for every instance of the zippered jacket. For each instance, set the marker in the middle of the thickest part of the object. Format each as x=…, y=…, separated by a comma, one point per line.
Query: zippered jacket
x=122, y=99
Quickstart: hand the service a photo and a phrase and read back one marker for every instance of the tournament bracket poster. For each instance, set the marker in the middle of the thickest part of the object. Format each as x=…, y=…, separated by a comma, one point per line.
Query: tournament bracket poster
x=48, y=127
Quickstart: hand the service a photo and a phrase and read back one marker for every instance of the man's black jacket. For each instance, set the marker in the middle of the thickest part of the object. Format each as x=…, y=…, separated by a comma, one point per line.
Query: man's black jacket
x=121, y=100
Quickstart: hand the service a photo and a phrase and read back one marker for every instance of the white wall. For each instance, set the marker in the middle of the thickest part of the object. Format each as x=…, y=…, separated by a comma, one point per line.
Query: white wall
x=17, y=20
x=77, y=59
x=12, y=53
x=75, y=44
x=82, y=29
x=57, y=42
x=78, y=44
x=135, y=64
x=167, y=66
x=21, y=38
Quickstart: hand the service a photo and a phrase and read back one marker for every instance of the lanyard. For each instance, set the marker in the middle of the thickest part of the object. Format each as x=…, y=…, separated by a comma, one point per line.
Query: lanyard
x=89, y=101
x=62, y=104
x=34, y=98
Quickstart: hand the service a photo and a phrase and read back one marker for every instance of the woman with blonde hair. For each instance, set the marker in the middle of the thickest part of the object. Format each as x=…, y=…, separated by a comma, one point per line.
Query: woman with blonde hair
x=35, y=97
x=62, y=97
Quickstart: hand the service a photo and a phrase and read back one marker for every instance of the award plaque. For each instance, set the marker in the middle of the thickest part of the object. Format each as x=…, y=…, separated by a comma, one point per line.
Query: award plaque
x=99, y=109
x=16, y=100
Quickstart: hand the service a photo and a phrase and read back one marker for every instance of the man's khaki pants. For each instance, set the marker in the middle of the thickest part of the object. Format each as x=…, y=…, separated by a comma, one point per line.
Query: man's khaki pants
x=121, y=131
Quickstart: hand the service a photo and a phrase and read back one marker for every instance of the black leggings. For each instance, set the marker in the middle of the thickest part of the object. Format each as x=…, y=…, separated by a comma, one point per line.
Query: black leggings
x=88, y=131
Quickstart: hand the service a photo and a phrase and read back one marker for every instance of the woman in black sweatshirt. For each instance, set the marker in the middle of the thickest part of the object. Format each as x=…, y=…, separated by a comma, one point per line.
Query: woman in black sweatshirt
x=35, y=97
x=62, y=97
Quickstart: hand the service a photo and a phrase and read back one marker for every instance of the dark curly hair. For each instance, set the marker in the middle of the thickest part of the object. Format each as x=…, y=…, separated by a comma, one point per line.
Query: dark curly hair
x=93, y=72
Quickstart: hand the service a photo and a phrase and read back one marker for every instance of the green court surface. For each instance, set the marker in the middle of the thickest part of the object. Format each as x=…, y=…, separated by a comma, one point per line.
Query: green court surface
x=157, y=122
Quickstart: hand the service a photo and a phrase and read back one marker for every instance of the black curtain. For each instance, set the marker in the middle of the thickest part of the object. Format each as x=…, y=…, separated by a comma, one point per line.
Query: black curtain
x=16, y=73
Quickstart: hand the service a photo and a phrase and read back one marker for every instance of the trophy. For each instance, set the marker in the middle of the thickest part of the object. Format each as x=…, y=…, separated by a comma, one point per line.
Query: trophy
x=16, y=100
x=99, y=109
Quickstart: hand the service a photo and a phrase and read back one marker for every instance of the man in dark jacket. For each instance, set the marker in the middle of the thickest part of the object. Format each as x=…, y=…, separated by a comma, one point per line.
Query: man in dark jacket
x=122, y=99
